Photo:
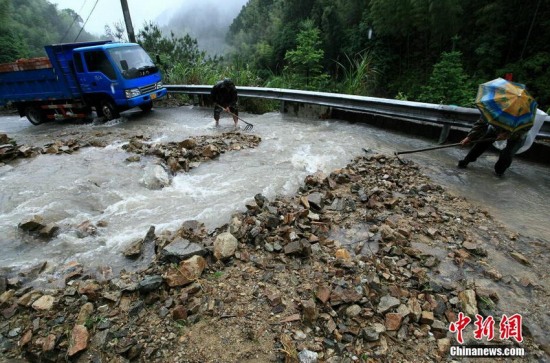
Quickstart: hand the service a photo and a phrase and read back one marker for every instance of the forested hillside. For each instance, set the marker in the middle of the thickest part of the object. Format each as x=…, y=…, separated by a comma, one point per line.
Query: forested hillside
x=27, y=25
x=402, y=40
x=434, y=51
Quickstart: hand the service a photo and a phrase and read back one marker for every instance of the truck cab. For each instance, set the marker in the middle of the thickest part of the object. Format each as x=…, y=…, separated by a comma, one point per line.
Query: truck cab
x=115, y=77
x=76, y=78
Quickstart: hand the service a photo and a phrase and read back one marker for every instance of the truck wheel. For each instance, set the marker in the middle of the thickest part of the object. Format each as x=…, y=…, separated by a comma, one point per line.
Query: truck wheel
x=35, y=115
x=147, y=107
x=98, y=111
x=109, y=110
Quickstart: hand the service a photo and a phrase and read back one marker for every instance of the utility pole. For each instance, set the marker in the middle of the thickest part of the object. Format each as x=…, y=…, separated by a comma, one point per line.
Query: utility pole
x=128, y=21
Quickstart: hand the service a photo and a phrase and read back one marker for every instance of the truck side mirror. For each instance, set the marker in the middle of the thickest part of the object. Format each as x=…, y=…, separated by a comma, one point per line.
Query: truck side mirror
x=124, y=65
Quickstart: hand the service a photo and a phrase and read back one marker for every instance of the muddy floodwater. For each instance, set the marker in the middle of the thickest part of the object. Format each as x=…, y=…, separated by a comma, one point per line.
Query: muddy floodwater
x=98, y=184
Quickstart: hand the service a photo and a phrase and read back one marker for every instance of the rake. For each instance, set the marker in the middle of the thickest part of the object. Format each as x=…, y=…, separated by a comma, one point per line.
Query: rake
x=397, y=153
x=441, y=146
x=248, y=126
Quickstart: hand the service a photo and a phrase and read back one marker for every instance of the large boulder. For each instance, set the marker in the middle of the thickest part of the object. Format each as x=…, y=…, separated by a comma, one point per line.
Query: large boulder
x=186, y=272
x=155, y=177
x=225, y=246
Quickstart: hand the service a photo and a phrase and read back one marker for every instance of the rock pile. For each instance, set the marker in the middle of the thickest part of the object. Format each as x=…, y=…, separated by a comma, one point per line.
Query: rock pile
x=178, y=156
x=335, y=273
x=189, y=153
x=9, y=150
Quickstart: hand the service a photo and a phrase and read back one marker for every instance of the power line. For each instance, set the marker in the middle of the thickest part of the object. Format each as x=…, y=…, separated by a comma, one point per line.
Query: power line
x=81, y=29
x=74, y=20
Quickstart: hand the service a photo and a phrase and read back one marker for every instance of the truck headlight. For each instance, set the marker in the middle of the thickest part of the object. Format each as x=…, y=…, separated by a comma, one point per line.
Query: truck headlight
x=132, y=92
x=159, y=85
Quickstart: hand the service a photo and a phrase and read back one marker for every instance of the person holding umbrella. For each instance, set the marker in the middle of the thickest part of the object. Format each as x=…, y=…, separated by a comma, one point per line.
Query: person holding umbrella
x=224, y=96
x=507, y=113
x=483, y=130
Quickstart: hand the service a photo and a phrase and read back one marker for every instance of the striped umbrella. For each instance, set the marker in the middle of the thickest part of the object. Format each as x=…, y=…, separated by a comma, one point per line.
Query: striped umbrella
x=506, y=104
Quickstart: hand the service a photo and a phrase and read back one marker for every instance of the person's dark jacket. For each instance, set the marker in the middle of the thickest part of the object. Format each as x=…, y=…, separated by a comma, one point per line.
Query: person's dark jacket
x=224, y=93
x=480, y=129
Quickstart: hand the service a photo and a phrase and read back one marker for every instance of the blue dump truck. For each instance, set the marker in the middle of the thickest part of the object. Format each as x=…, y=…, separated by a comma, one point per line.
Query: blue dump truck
x=77, y=78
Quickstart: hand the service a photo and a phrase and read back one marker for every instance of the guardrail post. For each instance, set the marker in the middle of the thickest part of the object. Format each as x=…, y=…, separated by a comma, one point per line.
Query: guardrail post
x=444, y=133
x=282, y=107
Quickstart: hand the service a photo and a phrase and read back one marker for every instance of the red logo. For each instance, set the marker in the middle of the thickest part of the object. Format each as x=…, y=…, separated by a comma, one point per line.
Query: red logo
x=509, y=327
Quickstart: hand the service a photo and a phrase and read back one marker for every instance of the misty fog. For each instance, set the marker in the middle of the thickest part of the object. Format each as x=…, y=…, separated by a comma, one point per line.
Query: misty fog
x=207, y=21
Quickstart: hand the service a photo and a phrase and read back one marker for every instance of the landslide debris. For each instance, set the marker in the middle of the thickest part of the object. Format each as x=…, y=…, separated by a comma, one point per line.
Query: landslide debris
x=345, y=270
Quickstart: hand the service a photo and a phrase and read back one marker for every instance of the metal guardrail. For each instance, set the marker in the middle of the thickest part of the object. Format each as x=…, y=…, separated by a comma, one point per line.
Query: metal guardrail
x=444, y=115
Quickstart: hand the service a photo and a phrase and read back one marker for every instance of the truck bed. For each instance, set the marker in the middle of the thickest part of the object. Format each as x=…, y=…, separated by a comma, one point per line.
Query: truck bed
x=33, y=79
x=30, y=85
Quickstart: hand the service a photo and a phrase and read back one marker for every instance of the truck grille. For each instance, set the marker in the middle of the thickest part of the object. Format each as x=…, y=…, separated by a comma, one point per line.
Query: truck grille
x=148, y=89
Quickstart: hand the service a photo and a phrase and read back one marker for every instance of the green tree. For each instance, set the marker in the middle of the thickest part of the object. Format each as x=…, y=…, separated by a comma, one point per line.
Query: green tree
x=27, y=25
x=448, y=83
x=251, y=34
x=117, y=33
x=76, y=23
x=304, y=62
x=4, y=11
x=180, y=58
x=534, y=72
x=184, y=49
x=11, y=46
x=329, y=20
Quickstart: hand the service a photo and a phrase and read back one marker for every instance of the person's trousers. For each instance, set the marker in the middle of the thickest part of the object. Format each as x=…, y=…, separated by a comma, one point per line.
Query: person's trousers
x=506, y=155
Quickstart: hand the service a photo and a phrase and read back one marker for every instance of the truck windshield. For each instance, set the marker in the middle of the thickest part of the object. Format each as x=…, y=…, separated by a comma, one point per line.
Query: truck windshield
x=133, y=62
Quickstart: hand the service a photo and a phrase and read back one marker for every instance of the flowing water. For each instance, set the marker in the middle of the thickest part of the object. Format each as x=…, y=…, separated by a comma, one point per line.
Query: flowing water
x=97, y=184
